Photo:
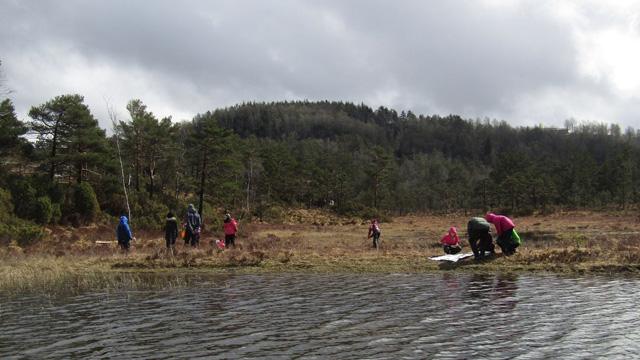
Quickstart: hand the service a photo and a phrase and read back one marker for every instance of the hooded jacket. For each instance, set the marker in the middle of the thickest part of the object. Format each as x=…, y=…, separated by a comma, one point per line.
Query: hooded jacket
x=501, y=222
x=451, y=238
x=230, y=227
x=171, y=227
x=123, y=232
x=193, y=219
x=374, y=228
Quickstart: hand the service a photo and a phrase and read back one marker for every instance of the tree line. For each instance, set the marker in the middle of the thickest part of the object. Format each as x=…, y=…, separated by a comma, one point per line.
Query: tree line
x=257, y=159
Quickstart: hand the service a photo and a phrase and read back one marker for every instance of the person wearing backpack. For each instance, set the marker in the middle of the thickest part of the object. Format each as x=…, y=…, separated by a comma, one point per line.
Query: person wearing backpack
x=374, y=232
x=193, y=226
x=480, y=240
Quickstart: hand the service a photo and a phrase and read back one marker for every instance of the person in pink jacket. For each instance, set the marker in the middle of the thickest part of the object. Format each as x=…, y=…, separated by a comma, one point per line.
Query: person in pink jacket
x=450, y=242
x=374, y=232
x=230, y=230
x=508, y=239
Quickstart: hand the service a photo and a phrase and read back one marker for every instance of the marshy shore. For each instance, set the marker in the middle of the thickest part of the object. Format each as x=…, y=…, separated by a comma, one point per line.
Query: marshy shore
x=67, y=259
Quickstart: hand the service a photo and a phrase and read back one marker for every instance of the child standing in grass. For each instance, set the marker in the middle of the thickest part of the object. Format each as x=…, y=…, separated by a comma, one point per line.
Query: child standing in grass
x=374, y=232
x=450, y=242
x=170, y=230
x=230, y=230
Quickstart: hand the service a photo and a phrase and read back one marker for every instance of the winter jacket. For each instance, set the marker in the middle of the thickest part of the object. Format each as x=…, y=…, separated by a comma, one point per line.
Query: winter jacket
x=374, y=229
x=193, y=220
x=231, y=227
x=501, y=222
x=451, y=238
x=171, y=228
x=123, y=232
x=478, y=225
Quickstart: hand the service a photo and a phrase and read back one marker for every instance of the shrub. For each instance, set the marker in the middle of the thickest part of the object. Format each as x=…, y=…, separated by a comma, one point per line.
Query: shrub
x=273, y=214
x=56, y=213
x=6, y=206
x=42, y=210
x=85, y=202
x=56, y=193
x=24, y=196
x=23, y=232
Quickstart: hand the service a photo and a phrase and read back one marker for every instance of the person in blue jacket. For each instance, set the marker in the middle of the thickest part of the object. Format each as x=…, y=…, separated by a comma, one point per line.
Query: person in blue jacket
x=124, y=233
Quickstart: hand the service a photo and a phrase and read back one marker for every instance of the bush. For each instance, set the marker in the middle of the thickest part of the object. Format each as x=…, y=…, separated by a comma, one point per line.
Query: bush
x=56, y=213
x=85, y=202
x=24, y=196
x=56, y=193
x=23, y=232
x=6, y=206
x=42, y=210
x=273, y=214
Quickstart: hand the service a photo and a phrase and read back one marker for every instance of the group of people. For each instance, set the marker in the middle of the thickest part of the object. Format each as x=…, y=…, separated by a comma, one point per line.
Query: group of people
x=192, y=227
x=478, y=231
x=480, y=239
x=479, y=234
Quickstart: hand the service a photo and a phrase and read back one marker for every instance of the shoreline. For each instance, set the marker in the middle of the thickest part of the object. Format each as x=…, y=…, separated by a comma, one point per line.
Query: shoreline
x=577, y=243
x=45, y=274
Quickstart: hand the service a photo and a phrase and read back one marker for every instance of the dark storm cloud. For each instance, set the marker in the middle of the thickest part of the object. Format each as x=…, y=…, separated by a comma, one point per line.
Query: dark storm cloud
x=468, y=57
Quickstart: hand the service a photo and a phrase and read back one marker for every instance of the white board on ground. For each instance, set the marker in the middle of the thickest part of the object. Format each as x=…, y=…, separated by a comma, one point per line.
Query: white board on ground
x=451, y=257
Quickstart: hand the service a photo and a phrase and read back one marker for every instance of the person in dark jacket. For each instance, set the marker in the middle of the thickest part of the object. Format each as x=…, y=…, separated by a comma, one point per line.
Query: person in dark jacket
x=478, y=230
x=170, y=230
x=193, y=225
x=123, y=232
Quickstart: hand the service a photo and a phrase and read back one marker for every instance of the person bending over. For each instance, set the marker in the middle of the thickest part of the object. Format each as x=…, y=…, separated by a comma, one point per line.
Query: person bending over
x=508, y=239
x=480, y=240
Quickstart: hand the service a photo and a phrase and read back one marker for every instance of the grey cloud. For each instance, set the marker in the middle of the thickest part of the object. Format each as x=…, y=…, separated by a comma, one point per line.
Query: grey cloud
x=431, y=56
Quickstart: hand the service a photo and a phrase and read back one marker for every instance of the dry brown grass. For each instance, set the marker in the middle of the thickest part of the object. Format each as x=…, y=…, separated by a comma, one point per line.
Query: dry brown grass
x=577, y=241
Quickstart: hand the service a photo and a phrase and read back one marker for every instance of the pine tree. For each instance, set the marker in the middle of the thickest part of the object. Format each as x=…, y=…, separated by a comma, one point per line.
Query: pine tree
x=69, y=135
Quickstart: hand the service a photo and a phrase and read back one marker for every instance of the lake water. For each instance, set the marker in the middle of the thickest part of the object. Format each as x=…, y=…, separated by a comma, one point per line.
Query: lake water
x=437, y=315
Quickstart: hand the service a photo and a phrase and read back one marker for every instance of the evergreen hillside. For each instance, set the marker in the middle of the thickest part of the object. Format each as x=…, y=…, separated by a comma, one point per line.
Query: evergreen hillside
x=258, y=158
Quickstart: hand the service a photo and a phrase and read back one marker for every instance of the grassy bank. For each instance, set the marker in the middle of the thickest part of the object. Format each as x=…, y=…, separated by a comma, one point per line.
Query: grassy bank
x=71, y=259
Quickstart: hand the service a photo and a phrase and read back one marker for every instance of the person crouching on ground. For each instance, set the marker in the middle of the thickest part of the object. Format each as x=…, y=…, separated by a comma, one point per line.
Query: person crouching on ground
x=230, y=230
x=374, y=232
x=170, y=230
x=450, y=242
x=478, y=230
x=123, y=232
x=508, y=238
x=193, y=223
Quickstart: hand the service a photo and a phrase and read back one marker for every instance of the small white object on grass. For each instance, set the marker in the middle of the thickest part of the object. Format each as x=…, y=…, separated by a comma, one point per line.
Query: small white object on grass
x=451, y=257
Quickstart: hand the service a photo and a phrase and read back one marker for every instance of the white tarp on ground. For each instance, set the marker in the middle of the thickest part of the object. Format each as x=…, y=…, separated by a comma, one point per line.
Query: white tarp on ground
x=450, y=257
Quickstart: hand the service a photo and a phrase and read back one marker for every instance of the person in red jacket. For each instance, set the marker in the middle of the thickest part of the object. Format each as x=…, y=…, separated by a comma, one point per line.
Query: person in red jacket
x=508, y=239
x=230, y=230
x=451, y=242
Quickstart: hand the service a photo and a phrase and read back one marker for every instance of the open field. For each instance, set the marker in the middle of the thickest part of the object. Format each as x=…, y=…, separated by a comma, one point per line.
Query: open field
x=573, y=242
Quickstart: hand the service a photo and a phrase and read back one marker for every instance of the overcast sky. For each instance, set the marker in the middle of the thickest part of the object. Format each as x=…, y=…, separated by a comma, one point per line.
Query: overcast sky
x=526, y=62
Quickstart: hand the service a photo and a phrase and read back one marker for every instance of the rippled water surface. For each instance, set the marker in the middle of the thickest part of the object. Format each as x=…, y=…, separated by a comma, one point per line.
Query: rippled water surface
x=441, y=315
